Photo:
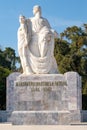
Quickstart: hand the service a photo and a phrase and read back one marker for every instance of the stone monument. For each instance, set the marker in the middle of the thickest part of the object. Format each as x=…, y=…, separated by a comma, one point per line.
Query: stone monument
x=41, y=95
x=36, y=44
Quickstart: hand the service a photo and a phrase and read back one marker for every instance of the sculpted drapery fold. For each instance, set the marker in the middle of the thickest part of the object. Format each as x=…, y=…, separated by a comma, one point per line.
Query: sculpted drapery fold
x=36, y=44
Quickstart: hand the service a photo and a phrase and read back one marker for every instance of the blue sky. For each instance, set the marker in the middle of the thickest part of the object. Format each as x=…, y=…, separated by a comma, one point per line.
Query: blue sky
x=60, y=14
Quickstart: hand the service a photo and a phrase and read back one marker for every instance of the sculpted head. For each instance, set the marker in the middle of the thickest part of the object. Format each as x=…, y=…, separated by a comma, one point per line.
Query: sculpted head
x=22, y=19
x=36, y=9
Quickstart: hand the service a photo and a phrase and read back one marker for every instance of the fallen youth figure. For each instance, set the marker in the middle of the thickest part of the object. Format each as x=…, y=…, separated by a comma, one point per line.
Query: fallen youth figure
x=36, y=44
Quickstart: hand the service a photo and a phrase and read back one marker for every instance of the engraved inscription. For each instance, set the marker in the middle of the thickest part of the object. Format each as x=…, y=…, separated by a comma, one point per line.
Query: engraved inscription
x=59, y=83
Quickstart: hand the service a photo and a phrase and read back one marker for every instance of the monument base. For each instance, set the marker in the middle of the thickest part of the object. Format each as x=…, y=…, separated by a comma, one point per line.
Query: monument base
x=47, y=100
x=44, y=118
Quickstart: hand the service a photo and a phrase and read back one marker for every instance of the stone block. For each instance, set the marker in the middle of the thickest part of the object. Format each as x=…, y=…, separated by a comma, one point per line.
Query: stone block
x=10, y=91
x=40, y=117
x=47, y=93
x=53, y=99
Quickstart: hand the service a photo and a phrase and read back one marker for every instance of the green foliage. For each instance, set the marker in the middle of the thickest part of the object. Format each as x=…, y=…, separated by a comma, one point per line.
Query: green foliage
x=61, y=51
x=71, y=52
x=84, y=102
x=3, y=62
x=4, y=72
x=8, y=62
x=10, y=56
x=61, y=47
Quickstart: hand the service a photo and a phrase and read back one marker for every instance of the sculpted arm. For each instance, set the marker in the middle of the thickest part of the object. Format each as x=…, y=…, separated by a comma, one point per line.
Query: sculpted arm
x=53, y=31
x=25, y=31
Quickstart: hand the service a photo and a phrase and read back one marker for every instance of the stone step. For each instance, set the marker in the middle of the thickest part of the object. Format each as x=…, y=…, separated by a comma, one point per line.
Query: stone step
x=42, y=127
x=42, y=117
x=79, y=123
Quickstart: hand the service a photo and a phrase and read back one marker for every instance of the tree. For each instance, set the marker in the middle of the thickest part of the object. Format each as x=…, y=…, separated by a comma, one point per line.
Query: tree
x=8, y=61
x=4, y=72
x=10, y=56
x=61, y=50
x=71, y=52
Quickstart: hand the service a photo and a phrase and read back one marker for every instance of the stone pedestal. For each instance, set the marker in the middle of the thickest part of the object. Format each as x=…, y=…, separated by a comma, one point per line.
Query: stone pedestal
x=10, y=94
x=50, y=99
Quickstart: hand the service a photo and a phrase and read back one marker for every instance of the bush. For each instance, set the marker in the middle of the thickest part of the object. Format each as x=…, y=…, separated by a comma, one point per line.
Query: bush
x=3, y=74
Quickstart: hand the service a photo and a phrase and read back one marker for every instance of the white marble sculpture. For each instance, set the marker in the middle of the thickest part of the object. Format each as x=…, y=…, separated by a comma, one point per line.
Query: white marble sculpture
x=36, y=44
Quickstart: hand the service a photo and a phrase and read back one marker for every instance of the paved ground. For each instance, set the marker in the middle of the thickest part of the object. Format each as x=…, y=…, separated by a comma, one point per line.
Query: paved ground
x=57, y=127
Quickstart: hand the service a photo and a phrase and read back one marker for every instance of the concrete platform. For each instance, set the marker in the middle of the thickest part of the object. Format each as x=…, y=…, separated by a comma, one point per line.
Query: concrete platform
x=42, y=127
